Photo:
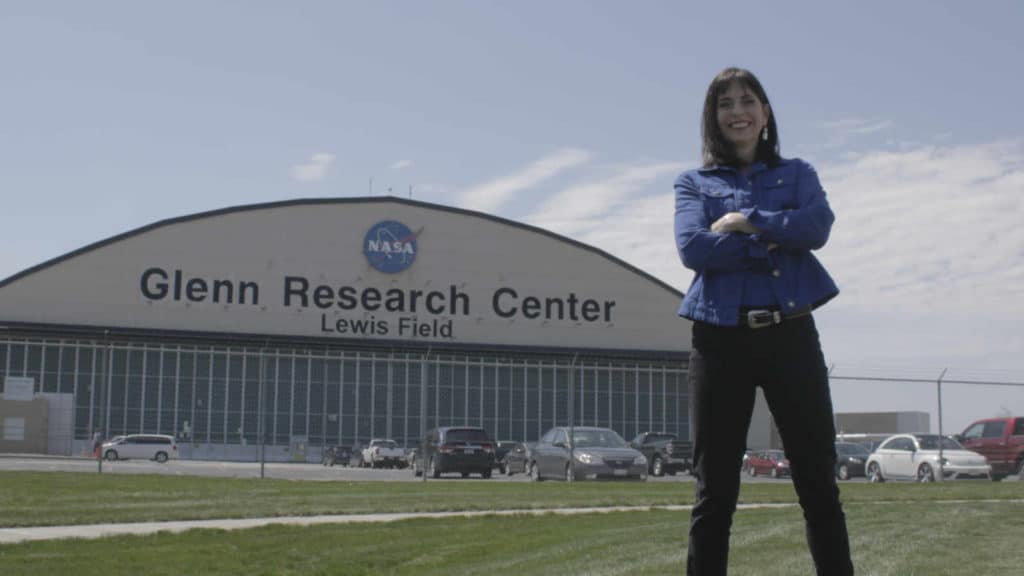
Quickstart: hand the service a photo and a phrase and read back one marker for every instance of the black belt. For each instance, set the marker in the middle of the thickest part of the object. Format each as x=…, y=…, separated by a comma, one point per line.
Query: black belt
x=754, y=318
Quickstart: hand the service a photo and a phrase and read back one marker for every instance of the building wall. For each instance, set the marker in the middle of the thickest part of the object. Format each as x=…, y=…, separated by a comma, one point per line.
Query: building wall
x=33, y=415
x=882, y=422
x=221, y=399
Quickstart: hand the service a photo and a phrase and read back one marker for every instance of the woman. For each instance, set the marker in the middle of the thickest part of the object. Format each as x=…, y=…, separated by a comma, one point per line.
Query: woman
x=746, y=223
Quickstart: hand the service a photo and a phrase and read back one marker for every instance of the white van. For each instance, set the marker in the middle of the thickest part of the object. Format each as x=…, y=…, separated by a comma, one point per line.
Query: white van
x=159, y=447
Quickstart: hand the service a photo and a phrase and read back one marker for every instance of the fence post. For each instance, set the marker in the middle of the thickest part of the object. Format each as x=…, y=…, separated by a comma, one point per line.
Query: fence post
x=938, y=386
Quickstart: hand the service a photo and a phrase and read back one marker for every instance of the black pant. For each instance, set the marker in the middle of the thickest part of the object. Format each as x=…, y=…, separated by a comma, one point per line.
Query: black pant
x=726, y=366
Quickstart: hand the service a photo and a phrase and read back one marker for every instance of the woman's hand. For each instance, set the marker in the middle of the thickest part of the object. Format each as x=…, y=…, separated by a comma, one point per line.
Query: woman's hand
x=733, y=222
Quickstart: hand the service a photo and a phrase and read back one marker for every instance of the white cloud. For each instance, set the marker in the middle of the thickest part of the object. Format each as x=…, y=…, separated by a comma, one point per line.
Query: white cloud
x=401, y=164
x=841, y=131
x=935, y=228
x=491, y=196
x=315, y=169
x=627, y=214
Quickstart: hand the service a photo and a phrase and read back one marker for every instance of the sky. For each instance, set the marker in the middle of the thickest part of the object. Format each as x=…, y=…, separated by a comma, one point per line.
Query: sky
x=574, y=116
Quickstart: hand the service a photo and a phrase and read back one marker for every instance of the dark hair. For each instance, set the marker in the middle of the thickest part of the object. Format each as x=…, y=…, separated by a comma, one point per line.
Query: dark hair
x=716, y=150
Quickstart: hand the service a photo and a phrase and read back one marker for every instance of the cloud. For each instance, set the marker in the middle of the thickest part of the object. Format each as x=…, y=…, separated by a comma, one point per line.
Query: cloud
x=401, y=164
x=315, y=169
x=595, y=205
x=491, y=196
x=842, y=131
x=929, y=229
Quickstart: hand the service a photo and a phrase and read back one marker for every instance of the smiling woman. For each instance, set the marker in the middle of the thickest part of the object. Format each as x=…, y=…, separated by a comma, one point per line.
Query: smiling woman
x=746, y=223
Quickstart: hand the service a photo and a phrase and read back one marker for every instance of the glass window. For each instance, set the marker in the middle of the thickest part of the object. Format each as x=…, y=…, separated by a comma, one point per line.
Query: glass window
x=201, y=408
x=185, y=408
x=3, y=364
x=236, y=401
x=994, y=430
x=167, y=387
x=503, y=387
x=517, y=401
x=379, y=378
x=1018, y=428
x=34, y=366
x=475, y=394
x=899, y=444
x=67, y=369
x=466, y=435
x=561, y=436
x=974, y=431
x=460, y=398
x=253, y=380
x=489, y=390
x=282, y=402
x=298, y=408
x=16, y=358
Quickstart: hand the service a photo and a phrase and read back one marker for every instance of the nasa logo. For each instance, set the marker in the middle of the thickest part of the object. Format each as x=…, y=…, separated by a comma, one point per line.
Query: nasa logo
x=390, y=246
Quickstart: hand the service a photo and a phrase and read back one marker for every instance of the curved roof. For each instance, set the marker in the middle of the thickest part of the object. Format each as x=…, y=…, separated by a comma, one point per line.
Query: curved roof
x=501, y=281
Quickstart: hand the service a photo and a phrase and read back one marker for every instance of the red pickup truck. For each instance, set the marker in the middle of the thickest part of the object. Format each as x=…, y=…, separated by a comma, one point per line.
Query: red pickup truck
x=1001, y=441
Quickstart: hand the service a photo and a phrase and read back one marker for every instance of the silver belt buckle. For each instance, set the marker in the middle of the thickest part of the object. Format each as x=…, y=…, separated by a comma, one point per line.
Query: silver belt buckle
x=762, y=318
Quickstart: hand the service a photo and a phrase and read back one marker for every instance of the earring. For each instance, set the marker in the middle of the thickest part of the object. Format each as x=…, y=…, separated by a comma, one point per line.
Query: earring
x=764, y=134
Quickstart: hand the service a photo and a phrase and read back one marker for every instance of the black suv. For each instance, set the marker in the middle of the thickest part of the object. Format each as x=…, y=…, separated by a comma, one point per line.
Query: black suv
x=463, y=449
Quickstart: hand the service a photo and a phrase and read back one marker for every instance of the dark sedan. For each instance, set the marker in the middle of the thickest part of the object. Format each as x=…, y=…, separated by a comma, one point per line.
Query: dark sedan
x=850, y=459
x=516, y=459
x=585, y=452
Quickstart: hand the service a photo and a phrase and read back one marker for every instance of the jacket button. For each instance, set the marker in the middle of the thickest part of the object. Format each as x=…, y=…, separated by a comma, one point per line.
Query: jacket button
x=791, y=304
x=779, y=181
x=776, y=273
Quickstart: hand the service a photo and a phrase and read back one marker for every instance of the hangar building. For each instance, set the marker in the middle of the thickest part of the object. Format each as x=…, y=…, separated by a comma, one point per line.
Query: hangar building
x=310, y=323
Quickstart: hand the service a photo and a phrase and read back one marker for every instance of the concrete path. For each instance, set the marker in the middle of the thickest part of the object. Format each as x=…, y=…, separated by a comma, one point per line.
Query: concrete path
x=90, y=531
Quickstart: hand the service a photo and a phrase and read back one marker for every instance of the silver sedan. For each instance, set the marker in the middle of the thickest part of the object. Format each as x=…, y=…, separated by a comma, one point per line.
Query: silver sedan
x=585, y=453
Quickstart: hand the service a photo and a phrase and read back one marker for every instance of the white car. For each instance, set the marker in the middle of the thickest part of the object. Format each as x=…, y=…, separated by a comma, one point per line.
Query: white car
x=917, y=457
x=159, y=447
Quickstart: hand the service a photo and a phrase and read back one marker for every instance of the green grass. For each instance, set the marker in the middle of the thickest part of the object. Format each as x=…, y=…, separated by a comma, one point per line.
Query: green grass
x=59, y=498
x=893, y=539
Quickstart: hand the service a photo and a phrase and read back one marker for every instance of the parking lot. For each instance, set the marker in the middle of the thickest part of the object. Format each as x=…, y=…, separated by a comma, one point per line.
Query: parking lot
x=278, y=470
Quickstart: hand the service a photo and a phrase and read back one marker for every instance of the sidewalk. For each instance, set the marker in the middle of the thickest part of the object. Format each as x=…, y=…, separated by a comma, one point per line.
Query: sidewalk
x=91, y=531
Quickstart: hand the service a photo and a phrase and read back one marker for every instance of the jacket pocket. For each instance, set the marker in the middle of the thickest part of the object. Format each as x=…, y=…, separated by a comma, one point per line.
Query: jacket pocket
x=718, y=201
x=779, y=193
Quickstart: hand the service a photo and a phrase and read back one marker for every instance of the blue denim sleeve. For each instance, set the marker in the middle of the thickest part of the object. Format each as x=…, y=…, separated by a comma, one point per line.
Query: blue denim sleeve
x=701, y=249
x=805, y=228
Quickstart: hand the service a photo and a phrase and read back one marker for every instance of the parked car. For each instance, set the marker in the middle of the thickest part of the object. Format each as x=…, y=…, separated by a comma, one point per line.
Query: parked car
x=585, y=452
x=501, y=447
x=916, y=457
x=383, y=453
x=851, y=460
x=340, y=455
x=771, y=462
x=159, y=447
x=1000, y=441
x=664, y=451
x=516, y=459
x=462, y=449
x=410, y=457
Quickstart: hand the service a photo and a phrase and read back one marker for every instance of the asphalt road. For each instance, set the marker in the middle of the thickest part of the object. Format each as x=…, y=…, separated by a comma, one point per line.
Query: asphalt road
x=279, y=470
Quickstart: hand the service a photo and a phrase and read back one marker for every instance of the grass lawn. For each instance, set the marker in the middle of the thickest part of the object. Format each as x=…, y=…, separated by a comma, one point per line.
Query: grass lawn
x=59, y=498
x=896, y=529
x=897, y=539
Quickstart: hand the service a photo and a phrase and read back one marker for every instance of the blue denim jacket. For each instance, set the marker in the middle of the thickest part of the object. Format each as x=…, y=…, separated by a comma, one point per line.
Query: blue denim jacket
x=787, y=204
